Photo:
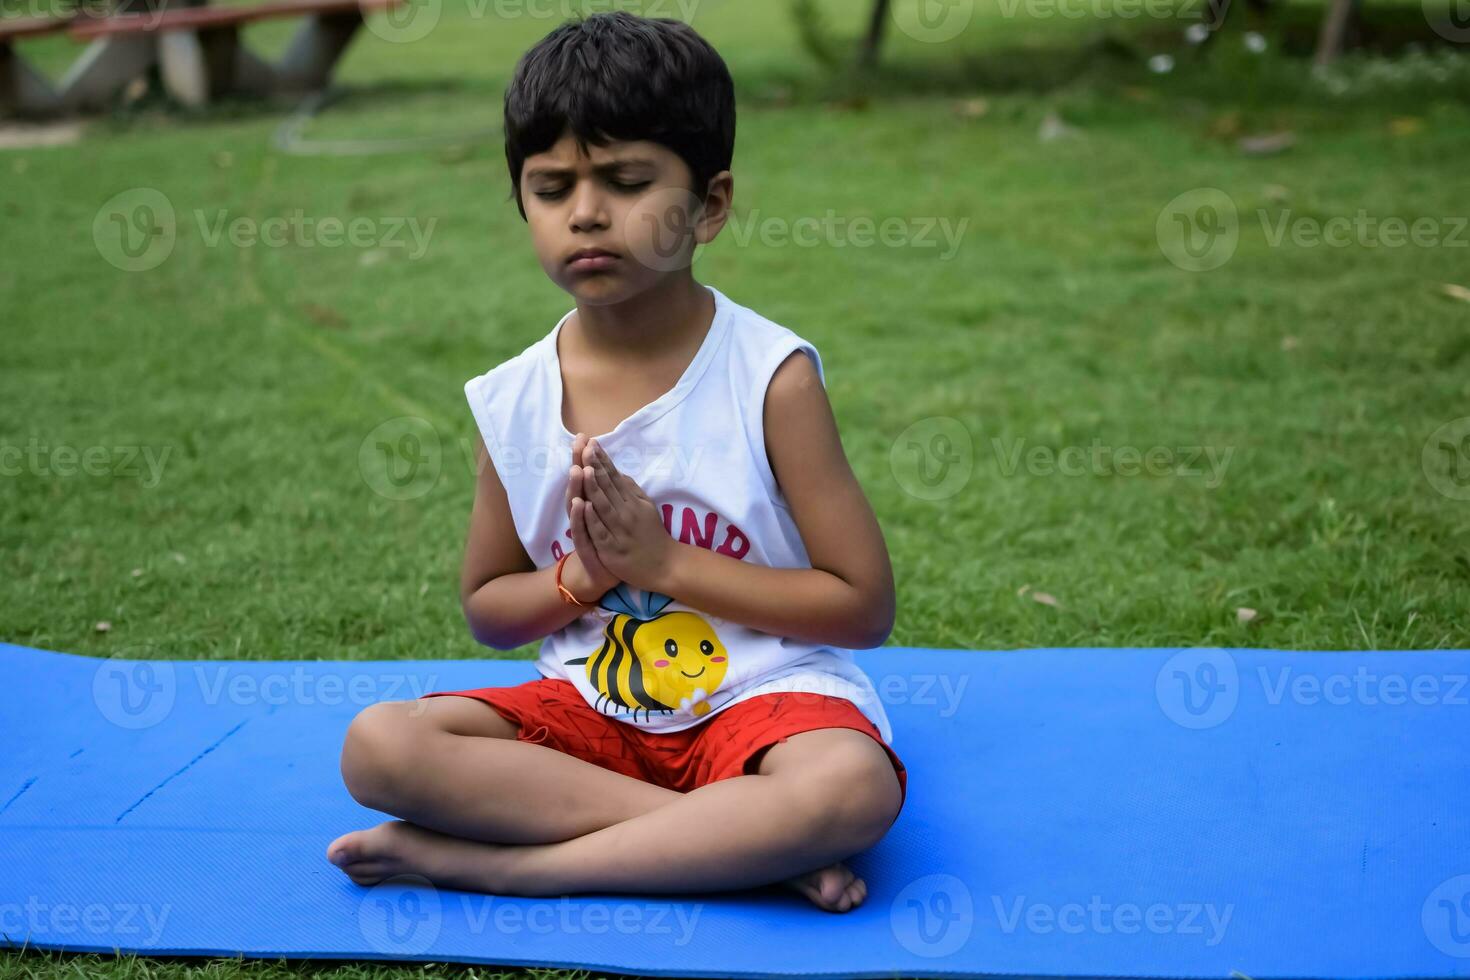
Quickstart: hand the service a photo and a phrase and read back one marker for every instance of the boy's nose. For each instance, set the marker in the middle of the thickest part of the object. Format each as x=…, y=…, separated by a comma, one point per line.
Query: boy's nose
x=587, y=208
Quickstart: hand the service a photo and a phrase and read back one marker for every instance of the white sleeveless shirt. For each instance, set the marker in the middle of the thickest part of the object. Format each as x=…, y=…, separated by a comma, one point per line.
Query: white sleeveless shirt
x=698, y=451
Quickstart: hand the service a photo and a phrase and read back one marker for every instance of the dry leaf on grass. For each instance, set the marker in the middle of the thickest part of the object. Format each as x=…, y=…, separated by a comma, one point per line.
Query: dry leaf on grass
x=324, y=316
x=972, y=108
x=1045, y=598
x=1455, y=292
x=1245, y=614
x=1267, y=144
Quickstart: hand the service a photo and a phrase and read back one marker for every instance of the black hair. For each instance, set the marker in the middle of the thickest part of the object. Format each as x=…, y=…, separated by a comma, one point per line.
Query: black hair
x=618, y=76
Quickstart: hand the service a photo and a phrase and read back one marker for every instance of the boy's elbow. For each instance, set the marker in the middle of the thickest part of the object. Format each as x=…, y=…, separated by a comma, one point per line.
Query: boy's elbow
x=877, y=623
x=484, y=630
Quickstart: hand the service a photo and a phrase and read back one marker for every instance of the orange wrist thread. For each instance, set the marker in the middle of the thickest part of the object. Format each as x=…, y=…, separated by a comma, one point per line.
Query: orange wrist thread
x=566, y=593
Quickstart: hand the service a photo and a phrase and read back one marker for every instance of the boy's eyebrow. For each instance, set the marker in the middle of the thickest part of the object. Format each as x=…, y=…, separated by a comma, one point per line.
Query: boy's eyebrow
x=603, y=168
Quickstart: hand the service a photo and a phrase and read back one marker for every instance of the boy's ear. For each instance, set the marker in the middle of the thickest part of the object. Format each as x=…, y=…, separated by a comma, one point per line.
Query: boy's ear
x=717, y=201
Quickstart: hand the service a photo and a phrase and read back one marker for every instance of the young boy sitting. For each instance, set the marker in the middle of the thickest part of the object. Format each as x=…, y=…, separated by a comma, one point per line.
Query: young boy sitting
x=698, y=573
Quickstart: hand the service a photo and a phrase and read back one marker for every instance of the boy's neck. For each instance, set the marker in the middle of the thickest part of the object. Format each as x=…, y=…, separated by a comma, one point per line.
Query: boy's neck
x=655, y=319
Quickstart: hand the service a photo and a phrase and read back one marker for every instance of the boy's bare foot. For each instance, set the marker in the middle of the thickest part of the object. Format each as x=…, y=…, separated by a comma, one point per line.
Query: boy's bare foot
x=834, y=888
x=398, y=847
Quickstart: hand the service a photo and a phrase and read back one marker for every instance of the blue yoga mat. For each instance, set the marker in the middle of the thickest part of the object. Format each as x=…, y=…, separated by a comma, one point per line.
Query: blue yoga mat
x=1141, y=813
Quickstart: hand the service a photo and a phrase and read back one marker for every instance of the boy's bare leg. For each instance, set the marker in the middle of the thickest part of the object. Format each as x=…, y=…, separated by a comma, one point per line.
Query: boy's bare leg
x=818, y=797
x=452, y=764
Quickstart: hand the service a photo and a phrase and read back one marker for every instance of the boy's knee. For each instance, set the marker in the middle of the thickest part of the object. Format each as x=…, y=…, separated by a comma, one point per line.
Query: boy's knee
x=378, y=753
x=854, y=793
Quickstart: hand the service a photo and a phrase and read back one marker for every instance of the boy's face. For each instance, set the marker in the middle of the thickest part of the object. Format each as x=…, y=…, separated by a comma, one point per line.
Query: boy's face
x=627, y=205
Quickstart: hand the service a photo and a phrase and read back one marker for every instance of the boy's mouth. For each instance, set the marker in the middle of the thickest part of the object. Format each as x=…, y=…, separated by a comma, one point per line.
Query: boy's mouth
x=590, y=259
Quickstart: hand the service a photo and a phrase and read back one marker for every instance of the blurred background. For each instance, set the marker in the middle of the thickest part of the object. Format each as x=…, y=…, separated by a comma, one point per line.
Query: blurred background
x=1146, y=322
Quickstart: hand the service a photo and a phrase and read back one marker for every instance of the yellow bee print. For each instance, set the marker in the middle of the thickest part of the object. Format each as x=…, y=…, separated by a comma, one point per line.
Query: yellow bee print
x=669, y=661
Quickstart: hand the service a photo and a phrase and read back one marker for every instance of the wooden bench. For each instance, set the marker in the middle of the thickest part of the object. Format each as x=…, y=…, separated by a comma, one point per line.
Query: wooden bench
x=198, y=51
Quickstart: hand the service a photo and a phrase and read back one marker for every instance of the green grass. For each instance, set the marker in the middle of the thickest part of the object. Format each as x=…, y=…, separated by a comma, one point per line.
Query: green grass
x=261, y=371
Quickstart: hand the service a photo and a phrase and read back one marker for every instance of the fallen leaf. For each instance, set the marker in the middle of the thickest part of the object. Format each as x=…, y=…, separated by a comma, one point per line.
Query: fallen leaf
x=972, y=108
x=324, y=316
x=1245, y=614
x=1267, y=144
x=1455, y=292
x=1045, y=598
x=1226, y=126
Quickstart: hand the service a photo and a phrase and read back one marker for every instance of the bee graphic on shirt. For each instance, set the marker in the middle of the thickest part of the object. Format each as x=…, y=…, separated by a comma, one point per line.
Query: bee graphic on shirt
x=655, y=661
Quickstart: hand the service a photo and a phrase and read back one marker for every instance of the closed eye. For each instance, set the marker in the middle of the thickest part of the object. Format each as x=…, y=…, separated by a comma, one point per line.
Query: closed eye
x=622, y=188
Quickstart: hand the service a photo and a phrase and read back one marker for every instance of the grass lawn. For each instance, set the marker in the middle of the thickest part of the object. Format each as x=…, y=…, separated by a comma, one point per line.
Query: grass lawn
x=1292, y=390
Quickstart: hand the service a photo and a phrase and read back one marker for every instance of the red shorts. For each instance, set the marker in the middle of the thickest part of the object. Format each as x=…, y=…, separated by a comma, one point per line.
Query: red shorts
x=550, y=711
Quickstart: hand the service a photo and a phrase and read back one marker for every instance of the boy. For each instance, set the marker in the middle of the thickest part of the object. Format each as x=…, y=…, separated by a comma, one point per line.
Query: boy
x=699, y=573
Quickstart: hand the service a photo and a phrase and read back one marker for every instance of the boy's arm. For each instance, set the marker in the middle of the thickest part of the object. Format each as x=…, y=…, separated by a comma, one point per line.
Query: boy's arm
x=846, y=598
x=507, y=602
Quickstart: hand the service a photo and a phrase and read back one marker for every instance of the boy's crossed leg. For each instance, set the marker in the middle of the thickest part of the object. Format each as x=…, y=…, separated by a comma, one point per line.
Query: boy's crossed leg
x=561, y=825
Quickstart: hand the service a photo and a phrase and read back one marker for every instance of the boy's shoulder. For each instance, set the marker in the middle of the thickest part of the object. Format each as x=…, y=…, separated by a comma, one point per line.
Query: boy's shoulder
x=768, y=342
x=758, y=337
x=529, y=358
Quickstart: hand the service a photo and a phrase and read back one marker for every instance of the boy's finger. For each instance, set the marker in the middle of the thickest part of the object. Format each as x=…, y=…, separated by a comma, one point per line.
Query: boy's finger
x=574, y=486
x=580, y=538
x=596, y=494
x=629, y=488
x=603, y=481
x=595, y=527
x=602, y=457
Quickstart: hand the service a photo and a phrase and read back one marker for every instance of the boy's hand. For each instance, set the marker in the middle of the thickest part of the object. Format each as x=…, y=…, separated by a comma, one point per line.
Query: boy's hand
x=624, y=525
x=595, y=578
